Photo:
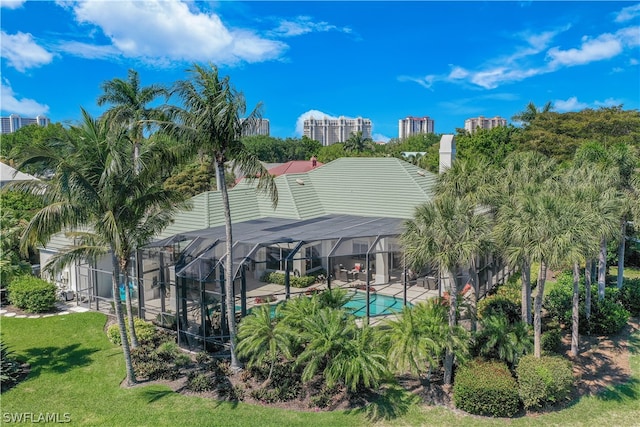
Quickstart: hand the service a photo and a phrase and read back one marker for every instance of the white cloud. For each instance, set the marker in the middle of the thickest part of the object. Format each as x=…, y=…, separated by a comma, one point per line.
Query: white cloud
x=22, y=52
x=602, y=47
x=609, y=102
x=12, y=4
x=527, y=61
x=634, y=61
x=304, y=25
x=628, y=13
x=86, y=50
x=378, y=137
x=458, y=73
x=426, y=81
x=571, y=104
x=21, y=106
x=160, y=31
x=315, y=114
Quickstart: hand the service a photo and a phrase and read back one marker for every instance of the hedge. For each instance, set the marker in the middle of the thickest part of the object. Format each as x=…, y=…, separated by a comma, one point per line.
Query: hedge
x=486, y=388
x=32, y=294
x=544, y=380
x=145, y=331
x=629, y=296
x=294, y=281
x=497, y=305
x=608, y=316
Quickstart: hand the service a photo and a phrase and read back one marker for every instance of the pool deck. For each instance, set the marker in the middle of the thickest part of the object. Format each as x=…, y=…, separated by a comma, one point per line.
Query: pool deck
x=415, y=294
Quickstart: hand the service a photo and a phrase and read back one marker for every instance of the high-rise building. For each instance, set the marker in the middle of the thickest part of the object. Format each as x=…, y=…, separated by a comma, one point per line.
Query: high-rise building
x=14, y=122
x=329, y=131
x=261, y=127
x=470, y=125
x=414, y=126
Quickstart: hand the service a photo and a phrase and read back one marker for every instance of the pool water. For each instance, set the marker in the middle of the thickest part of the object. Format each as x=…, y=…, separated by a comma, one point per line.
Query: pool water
x=357, y=305
x=378, y=304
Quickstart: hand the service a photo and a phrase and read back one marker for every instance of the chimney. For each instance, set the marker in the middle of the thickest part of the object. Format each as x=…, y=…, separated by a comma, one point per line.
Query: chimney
x=447, y=152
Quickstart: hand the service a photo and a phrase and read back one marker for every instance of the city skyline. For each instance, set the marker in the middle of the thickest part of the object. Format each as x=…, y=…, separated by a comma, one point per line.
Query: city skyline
x=380, y=60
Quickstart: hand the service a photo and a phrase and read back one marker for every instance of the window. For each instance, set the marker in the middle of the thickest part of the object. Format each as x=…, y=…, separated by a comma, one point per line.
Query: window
x=312, y=257
x=276, y=257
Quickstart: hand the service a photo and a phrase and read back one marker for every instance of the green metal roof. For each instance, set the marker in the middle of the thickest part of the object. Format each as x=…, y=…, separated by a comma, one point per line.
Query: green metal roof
x=363, y=186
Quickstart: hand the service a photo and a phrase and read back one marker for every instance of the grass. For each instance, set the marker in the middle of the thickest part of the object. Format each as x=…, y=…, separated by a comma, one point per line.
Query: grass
x=629, y=272
x=75, y=370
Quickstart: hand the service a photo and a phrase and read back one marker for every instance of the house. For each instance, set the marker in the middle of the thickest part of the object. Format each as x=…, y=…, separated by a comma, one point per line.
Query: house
x=341, y=221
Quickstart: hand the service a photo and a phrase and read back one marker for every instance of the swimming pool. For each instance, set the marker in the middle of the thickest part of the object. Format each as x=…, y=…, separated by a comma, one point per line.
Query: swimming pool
x=380, y=305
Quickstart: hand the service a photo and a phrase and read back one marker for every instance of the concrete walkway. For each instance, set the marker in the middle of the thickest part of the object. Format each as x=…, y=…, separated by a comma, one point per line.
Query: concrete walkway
x=60, y=306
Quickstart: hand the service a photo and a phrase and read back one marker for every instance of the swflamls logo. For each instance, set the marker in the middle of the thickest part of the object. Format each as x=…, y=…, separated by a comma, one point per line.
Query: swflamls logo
x=36, y=417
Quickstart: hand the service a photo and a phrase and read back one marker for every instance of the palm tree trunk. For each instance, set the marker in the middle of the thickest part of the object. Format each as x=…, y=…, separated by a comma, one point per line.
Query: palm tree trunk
x=526, y=292
x=602, y=269
x=473, y=274
x=623, y=238
x=587, y=288
x=575, y=310
x=453, y=320
x=117, y=303
x=124, y=266
x=228, y=271
x=537, y=307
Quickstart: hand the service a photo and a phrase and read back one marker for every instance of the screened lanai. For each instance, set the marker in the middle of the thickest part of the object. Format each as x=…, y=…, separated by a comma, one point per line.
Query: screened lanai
x=182, y=277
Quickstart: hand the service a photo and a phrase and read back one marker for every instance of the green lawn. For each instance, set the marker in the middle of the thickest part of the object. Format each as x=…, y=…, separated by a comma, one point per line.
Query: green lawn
x=76, y=370
x=629, y=272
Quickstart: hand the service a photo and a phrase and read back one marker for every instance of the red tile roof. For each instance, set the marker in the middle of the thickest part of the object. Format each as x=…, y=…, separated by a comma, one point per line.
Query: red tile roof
x=294, y=166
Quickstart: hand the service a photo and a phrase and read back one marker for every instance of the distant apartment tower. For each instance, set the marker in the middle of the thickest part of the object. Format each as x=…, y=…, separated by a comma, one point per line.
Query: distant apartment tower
x=414, y=126
x=470, y=125
x=14, y=122
x=261, y=127
x=329, y=131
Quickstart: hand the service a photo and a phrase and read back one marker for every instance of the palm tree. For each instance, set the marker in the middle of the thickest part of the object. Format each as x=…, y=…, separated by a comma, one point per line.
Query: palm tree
x=587, y=213
x=504, y=341
x=262, y=337
x=98, y=198
x=518, y=186
x=210, y=121
x=447, y=232
x=549, y=246
x=360, y=363
x=129, y=110
x=325, y=334
x=416, y=341
x=531, y=112
x=616, y=166
x=474, y=181
x=357, y=143
x=341, y=351
x=130, y=106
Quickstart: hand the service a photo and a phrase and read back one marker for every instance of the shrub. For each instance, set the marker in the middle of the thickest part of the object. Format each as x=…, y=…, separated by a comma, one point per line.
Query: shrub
x=10, y=369
x=544, y=380
x=486, y=388
x=168, y=351
x=497, y=305
x=199, y=382
x=607, y=317
x=145, y=331
x=550, y=340
x=324, y=397
x=294, y=281
x=32, y=294
x=629, y=296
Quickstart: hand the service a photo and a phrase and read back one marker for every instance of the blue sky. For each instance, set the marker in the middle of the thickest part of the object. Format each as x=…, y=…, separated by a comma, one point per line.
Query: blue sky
x=378, y=60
